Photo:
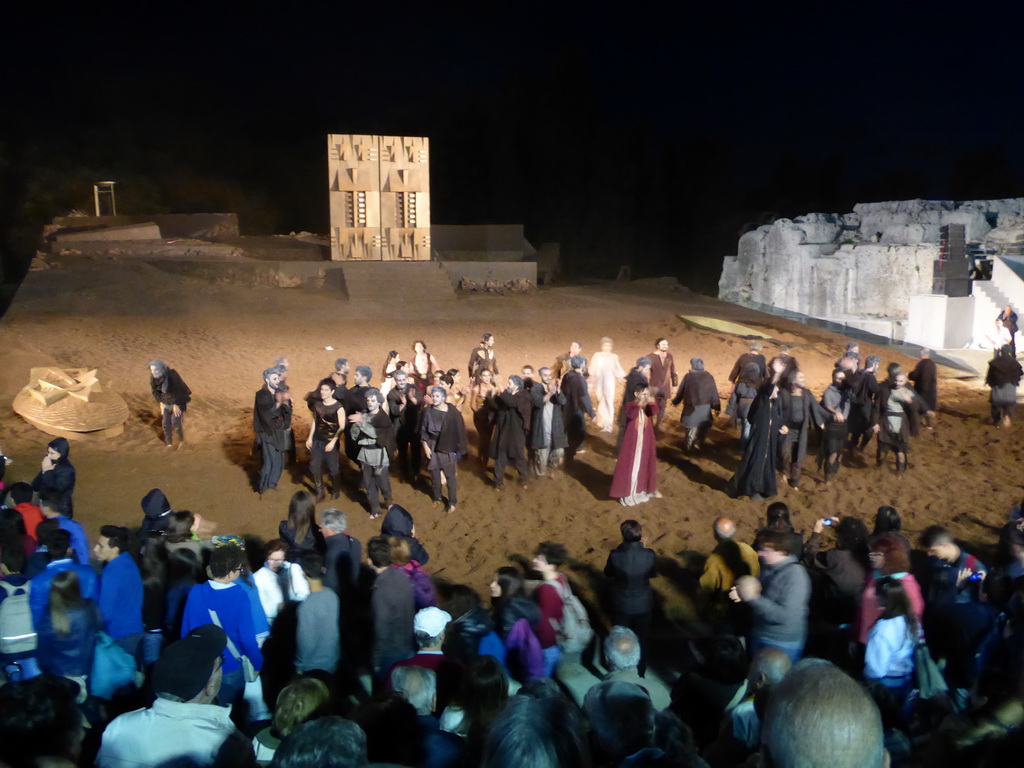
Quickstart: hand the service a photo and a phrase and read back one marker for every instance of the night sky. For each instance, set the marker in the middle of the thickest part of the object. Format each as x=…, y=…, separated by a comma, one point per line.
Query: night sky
x=632, y=135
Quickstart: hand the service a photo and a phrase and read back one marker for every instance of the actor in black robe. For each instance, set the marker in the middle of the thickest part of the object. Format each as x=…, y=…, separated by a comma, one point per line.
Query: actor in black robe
x=863, y=390
x=836, y=402
x=512, y=408
x=271, y=420
x=798, y=410
x=404, y=404
x=443, y=436
x=755, y=476
x=576, y=407
x=354, y=401
x=547, y=438
x=895, y=417
x=925, y=378
x=1004, y=374
x=699, y=395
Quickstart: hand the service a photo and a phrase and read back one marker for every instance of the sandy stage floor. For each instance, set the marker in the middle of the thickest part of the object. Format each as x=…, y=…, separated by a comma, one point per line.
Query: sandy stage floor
x=117, y=316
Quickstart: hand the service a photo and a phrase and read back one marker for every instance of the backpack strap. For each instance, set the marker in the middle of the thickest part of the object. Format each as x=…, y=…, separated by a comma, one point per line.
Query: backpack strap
x=231, y=646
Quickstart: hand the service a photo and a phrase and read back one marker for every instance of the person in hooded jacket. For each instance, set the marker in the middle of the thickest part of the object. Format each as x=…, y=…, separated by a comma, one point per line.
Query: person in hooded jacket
x=156, y=514
x=398, y=522
x=57, y=475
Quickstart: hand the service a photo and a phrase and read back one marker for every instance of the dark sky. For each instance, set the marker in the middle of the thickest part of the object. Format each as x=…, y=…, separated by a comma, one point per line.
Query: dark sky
x=637, y=133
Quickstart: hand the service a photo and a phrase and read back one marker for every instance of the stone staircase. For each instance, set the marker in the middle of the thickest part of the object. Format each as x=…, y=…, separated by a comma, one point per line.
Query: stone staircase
x=396, y=281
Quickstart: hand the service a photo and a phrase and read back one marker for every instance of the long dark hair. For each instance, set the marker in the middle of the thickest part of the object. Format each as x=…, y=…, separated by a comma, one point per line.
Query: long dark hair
x=301, y=514
x=510, y=583
x=887, y=520
x=894, y=601
x=776, y=518
x=65, y=596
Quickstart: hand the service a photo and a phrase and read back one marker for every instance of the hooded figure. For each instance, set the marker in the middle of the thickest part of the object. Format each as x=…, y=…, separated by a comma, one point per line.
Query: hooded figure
x=399, y=523
x=57, y=476
x=156, y=513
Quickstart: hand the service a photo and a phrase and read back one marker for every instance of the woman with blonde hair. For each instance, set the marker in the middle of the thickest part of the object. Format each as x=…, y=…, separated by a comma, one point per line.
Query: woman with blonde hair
x=299, y=702
x=605, y=369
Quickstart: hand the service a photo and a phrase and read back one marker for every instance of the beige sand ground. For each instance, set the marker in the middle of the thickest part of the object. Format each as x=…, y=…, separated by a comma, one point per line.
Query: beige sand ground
x=118, y=315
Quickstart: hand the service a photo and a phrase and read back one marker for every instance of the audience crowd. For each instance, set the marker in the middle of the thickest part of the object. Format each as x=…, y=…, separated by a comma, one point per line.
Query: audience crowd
x=840, y=642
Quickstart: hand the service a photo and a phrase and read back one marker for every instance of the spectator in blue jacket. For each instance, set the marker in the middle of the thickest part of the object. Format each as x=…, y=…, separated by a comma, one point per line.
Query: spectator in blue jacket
x=120, y=588
x=49, y=505
x=222, y=601
x=58, y=553
x=67, y=628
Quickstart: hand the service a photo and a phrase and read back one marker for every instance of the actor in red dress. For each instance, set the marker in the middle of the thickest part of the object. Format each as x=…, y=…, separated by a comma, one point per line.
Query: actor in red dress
x=635, y=480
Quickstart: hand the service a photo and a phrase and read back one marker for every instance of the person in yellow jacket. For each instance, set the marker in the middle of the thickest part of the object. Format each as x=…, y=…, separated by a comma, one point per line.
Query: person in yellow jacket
x=729, y=560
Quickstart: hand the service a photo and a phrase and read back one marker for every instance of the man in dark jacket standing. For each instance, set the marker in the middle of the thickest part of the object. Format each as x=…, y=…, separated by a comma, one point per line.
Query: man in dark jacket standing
x=547, y=433
x=925, y=378
x=173, y=395
x=631, y=566
x=509, y=442
x=271, y=420
x=576, y=407
x=394, y=608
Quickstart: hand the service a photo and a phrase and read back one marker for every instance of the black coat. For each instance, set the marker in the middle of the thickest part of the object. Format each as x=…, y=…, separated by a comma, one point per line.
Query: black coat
x=452, y=438
x=510, y=424
x=756, y=472
x=270, y=420
x=813, y=412
x=631, y=566
x=342, y=554
x=909, y=424
x=558, y=439
x=312, y=542
x=384, y=429
x=1003, y=370
x=60, y=480
x=177, y=391
x=925, y=378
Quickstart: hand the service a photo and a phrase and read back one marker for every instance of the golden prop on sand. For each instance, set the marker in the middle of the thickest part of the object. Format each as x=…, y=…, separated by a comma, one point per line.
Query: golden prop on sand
x=724, y=326
x=71, y=403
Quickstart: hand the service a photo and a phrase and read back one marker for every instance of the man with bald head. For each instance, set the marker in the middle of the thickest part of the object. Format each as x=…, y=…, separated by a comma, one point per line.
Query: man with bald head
x=729, y=560
x=740, y=734
x=819, y=717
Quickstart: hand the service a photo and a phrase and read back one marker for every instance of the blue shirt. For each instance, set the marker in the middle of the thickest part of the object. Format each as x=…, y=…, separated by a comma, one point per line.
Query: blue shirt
x=79, y=541
x=39, y=598
x=234, y=611
x=121, y=597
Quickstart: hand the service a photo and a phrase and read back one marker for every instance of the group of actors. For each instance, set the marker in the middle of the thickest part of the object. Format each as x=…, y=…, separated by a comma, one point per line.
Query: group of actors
x=536, y=421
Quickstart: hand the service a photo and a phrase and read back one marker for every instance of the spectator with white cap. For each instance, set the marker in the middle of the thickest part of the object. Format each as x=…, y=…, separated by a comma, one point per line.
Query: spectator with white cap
x=429, y=624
